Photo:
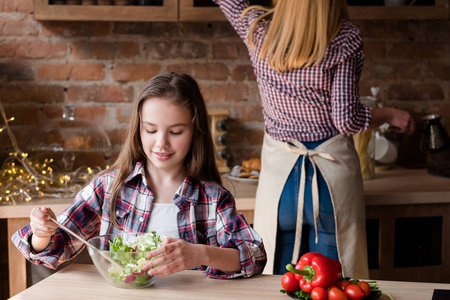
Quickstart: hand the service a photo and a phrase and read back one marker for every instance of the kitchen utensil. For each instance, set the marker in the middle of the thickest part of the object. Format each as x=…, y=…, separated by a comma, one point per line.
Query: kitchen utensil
x=436, y=143
x=385, y=150
x=434, y=137
x=87, y=244
x=133, y=275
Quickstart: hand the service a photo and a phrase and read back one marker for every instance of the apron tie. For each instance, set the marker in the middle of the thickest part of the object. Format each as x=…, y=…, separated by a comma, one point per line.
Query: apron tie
x=299, y=148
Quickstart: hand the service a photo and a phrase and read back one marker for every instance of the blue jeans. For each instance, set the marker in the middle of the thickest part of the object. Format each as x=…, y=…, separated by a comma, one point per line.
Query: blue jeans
x=287, y=217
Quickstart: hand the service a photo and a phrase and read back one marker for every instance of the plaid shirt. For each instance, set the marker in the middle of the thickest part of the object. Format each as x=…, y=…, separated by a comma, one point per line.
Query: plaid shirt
x=207, y=216
x=313, y=103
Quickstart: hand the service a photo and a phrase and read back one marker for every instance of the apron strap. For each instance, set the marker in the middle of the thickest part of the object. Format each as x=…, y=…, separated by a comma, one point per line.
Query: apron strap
x=297, y=147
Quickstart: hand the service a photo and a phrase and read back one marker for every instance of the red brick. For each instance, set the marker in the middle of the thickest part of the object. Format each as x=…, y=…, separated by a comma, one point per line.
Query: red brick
x=88, y=71
x=247, y=113
x=16, y=71
x=105, y=50
x=201, y=71
x=31, y=93
x=437, y=70
x=54, y=71
x=8, y=48
x=111, y=93
x=21, y=134
x=375, y=50
x=123, y=113
x=117, y=136
x=52, y=112
x=135, y=72
x=175, y=49
x=22, y=115
x=390, y=70
x=156, y=30
x=86, y=93
x=243, y=72
x=256, y=136
x=225, y=93
x=38, y=49
x=416, y=91
x=21, y=6
x=417, y=51
x=386, y=30
x=22, y=27
x=94, y=113
x=76, y=29
x=222, y=50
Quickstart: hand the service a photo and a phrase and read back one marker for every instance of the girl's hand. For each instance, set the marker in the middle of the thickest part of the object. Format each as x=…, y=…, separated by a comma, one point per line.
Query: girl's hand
x=176, y=255
x=40, y=222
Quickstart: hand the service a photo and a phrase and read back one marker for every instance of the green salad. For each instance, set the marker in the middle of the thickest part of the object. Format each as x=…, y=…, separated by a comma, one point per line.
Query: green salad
x=132, y=256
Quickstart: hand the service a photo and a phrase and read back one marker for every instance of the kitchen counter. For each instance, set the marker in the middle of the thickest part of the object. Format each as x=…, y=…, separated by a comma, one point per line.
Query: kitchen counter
x=85, y=282
x=392, y=193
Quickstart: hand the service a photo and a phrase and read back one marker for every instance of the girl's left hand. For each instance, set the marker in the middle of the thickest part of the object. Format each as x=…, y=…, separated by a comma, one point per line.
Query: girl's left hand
x=176, y=255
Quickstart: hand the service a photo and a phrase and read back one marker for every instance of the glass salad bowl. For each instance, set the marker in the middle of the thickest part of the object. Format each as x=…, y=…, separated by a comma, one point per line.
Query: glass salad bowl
x=120, y=257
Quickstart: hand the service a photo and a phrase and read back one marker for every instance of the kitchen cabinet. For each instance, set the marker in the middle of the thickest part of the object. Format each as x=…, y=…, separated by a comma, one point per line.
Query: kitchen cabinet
x=205, y=11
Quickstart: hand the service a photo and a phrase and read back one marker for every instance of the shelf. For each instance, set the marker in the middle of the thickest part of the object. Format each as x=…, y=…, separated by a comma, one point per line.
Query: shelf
x=132, y=13
x=184, y=10
x=189, y=13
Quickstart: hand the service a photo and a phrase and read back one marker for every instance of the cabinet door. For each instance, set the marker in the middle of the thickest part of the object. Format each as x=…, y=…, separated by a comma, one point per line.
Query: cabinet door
x=420, y=10
x=200, y=11
x=168, y=11
x=204, y=10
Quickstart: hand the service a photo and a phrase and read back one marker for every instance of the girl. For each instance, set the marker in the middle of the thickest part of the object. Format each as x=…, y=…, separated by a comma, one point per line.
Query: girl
x=165, y=179
x=308, y=59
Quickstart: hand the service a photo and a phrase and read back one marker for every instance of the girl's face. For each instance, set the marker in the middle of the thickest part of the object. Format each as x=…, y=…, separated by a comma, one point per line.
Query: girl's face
x=166, y=133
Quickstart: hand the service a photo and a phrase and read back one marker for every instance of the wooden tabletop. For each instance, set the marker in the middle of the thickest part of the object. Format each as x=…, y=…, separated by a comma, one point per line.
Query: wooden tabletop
x=78, y=281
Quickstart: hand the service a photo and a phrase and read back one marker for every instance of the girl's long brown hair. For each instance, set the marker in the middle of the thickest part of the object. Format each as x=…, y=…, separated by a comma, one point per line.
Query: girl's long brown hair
x=179, y=89
x=299, y=31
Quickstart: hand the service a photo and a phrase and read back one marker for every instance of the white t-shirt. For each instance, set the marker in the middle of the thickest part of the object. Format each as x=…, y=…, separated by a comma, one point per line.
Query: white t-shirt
x=163, y=219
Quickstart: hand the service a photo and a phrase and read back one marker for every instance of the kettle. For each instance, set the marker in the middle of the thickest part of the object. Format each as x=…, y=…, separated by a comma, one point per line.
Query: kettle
x=434, y=137
x=436, y=143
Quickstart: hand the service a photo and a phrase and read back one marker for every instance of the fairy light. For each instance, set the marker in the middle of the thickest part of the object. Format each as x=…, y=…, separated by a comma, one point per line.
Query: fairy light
x=22, y=179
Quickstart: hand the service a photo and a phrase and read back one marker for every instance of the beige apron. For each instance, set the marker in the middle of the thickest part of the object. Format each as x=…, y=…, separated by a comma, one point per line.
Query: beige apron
x=338, y=162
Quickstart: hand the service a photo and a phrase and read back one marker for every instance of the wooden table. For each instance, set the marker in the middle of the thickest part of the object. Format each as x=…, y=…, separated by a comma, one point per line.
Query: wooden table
x=390, y=188
x=85, y=282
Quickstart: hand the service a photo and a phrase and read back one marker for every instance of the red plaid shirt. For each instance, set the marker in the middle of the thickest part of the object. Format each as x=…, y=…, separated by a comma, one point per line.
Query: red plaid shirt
x=207, y=216
x=313, y=103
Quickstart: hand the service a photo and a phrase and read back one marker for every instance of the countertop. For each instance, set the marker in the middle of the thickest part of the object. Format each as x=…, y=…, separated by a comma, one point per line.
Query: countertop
x=85, y=282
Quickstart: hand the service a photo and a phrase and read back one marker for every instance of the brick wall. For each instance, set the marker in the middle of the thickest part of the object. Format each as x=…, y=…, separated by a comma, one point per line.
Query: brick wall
x=99, y=68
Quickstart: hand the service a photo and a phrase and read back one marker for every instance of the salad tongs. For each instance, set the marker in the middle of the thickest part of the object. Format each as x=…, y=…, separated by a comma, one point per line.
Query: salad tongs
x=88, y=244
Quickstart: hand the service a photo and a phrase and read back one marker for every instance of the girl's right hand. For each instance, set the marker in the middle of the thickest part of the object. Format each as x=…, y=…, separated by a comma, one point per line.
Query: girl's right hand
x=40, y=222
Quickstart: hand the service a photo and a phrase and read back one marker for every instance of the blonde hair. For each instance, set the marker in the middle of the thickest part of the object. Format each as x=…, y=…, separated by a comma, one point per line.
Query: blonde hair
x=200, y=163
x=299, y=31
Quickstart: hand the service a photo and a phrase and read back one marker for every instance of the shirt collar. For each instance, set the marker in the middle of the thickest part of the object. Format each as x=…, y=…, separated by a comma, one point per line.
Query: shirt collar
x=139, y=170
x=188, y=190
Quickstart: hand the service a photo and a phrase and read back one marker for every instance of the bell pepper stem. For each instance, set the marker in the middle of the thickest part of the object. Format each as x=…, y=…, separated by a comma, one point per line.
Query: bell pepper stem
x=291, y=268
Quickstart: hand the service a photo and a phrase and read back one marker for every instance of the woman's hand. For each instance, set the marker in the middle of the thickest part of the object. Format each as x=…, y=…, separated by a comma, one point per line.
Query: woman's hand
x=400, y=120
x=43, y=228
x=176, y=255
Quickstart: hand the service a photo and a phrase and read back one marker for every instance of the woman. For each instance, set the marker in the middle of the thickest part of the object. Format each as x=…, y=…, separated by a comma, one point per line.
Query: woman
x=308, y=59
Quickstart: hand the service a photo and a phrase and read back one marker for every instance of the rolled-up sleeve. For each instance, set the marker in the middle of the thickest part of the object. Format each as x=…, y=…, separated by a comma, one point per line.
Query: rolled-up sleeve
x=233, y=231
x=349, y=115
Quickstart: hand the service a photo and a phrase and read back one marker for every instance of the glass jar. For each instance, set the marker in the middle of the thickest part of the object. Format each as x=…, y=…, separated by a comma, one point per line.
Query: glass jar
x=365, y=145
x=70, y=142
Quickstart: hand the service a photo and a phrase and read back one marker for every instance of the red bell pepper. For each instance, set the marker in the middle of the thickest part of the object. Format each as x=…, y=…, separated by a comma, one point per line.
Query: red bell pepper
x=317, y=269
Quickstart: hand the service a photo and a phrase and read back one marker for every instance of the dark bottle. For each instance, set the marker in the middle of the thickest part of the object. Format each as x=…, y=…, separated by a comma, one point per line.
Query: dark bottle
x=222, y=125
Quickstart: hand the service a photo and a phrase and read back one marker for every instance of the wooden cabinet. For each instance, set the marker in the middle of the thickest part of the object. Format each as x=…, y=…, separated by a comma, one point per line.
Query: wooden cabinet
x=168, y=12
x=202, y=11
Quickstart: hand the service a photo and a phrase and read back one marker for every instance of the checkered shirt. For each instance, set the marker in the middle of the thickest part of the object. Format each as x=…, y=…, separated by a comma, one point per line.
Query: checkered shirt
x=207, y=216
x=307, y=104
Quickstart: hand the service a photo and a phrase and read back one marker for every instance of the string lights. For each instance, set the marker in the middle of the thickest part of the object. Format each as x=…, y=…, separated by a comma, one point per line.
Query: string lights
x=22, y=179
